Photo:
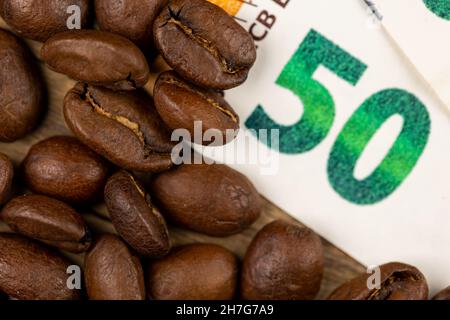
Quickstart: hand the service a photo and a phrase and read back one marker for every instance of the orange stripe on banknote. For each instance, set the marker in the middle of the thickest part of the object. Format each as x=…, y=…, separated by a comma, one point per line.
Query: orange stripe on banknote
x=230, y=6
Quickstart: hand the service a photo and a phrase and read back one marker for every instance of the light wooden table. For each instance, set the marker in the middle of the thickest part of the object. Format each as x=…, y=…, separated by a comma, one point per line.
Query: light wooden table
x=338, y=266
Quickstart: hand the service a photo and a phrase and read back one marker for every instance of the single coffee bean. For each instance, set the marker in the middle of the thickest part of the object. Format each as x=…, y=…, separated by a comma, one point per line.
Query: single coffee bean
x=211, y=199
x=47, y=220
x=124, y=127
x=6, y=177
x=30, y=271
x=112, y=272
x=39, y=20
x=399, y=281
x=204, y=44
x=181, y=104
x=194, y=272
x=283, y=262
x=443, y=295
x=130, y=18
x=97, y=57
x=20, y=89
x=64, y=168
x=137, y=221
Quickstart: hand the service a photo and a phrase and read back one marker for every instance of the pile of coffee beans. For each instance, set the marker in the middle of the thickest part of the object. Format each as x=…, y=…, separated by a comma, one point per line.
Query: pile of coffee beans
x=122, y=133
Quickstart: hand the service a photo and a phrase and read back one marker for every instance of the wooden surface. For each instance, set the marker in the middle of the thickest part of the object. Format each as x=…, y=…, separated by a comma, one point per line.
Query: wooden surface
x=338, y=266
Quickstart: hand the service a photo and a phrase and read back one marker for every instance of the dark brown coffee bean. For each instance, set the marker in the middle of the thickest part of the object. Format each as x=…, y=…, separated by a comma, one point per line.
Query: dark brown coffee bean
x=204, y=44
x=194, y=272
x=48, y=220
x=97, y=57
x=39, y=20
x=6, y=177
x=211, y=199
x=124, y=127
x=283, y=262
x=112, y=272
x=399, y=281
x=137, y=221
x=20, y=89
x=129, y=18
x=64, y=168
x=29, y=271
x=180, y=104
x=443, y=295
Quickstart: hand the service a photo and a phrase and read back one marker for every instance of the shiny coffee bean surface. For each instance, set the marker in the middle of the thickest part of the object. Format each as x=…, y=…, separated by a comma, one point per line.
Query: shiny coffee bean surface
x=112, y=271
x=64, y=168
x=6, y=178
x=399, y=281
x=21, y=89
x=123, y=127
x=283, y=262
x=97, y=57
x=204, y=44
x=211, y=199
x=131, y=19
x=185, y=106
x=30, y=271
x=194, y=272
x=48, y=220
x=134, y=216
x=39, y=20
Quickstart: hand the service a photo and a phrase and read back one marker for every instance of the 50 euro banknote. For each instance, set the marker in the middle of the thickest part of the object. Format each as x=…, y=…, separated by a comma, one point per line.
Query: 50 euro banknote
x=340, y=131
x=421, y=30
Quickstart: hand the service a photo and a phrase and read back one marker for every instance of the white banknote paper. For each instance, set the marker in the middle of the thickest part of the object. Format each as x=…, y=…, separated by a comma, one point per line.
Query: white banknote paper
x=421, y=29
x=404, y=215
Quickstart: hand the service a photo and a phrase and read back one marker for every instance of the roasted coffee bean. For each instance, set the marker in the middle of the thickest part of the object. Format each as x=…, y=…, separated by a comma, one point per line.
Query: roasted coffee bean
x=6, y=177
x=97, y=57
x=194, y=272
x=64, y=168
x=211, y=199
x=48, y=220
x=112, y=272
x=124, y=127
x=137, y=221
x=130, y=18
x=39, y=20
x=29, y=271
x=283, y=262
x=20, y=89
x=399, y=281
x=181, y=104
x=443, y=295
x=204, y=44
